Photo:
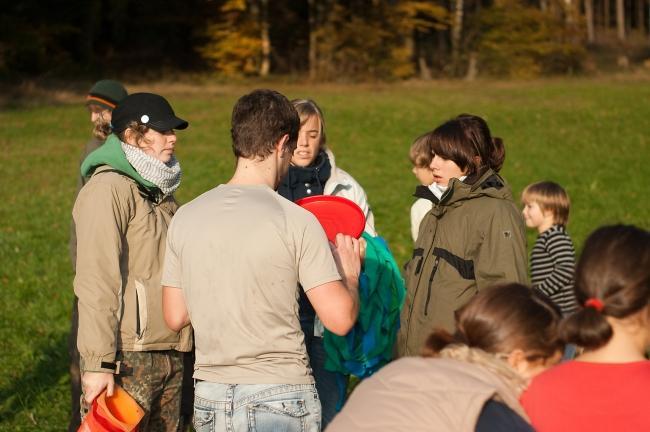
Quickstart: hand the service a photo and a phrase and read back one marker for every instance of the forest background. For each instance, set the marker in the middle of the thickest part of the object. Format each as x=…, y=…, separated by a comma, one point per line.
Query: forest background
x=342, y=40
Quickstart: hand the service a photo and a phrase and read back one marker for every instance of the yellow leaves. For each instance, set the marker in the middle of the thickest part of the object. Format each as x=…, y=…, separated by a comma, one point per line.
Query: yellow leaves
x=234, y=6
x=235, y=45
x=422, y=15
x=524, y=42
x=403, y=67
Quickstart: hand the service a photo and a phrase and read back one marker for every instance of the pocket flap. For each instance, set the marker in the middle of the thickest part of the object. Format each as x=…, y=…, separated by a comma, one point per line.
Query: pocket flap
x=141, y=306
x=290, y=407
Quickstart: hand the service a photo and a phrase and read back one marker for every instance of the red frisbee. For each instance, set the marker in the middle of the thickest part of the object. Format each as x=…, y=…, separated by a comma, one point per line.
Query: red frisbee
x=335, y=214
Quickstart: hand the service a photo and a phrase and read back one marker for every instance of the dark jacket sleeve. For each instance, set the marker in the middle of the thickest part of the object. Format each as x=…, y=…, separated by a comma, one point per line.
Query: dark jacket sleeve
x=498, y=417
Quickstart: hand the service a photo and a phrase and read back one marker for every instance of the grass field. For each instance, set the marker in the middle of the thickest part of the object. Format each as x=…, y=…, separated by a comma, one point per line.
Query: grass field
x=591, y=136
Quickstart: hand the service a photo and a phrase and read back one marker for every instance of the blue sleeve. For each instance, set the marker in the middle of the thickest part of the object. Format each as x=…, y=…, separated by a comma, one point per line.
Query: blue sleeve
x=498, y=417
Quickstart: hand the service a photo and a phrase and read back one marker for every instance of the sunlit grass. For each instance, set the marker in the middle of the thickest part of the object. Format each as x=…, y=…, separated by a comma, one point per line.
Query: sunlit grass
x=589, y=136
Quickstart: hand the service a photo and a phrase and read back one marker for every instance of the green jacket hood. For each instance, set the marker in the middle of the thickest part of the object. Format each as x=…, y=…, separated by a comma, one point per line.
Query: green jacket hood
x=111, y=154
x=488, y=184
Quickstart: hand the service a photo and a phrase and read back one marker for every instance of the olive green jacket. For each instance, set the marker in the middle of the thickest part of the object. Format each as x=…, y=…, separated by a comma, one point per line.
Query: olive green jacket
x=472, y=238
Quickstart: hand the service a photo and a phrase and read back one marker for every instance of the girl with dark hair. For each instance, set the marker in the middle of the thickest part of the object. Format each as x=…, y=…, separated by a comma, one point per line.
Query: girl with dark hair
x=472, y=237
x=607, y=387
x=468, y=381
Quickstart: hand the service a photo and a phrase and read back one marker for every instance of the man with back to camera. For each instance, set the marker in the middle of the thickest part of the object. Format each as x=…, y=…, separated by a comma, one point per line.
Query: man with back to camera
x=234, y=258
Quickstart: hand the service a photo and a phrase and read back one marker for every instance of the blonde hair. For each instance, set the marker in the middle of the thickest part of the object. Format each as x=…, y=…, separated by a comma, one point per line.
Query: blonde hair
x=420, y=152
x=550, y=196
x=307, y=108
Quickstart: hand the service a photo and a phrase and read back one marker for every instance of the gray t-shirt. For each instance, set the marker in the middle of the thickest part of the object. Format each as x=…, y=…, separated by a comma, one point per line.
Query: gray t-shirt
x=238, y=253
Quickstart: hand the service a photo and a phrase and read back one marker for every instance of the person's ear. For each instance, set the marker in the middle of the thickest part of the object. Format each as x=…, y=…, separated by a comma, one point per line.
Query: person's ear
x=548, y=214
x=282, y=145
x=128, y=137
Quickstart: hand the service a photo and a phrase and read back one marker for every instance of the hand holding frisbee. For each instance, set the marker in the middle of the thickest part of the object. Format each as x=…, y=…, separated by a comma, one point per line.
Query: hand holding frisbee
x=335, y=214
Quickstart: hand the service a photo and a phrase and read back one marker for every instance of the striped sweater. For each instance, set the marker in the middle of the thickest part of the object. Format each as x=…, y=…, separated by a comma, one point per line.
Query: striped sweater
x=552, y=263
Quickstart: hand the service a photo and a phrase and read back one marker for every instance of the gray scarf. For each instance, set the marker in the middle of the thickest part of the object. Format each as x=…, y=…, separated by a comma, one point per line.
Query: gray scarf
x=167, y=176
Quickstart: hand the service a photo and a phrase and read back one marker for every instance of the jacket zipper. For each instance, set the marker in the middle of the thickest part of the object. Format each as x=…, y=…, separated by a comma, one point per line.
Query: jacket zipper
x=433, y=272
x=412, y=307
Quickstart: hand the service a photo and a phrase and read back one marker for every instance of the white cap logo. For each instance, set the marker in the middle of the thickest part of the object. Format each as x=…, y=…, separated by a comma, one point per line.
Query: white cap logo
x=144, y=119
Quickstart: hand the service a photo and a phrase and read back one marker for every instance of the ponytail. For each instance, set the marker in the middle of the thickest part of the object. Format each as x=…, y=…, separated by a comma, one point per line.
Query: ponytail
x=436, y=342
x=497, y=155
x=587, y=328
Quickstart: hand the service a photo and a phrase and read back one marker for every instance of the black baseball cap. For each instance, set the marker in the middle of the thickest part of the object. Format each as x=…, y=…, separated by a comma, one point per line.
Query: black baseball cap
x=147, y=109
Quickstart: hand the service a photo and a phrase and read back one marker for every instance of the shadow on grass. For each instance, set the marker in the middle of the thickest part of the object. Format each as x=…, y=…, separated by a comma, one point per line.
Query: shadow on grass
x=22, y=395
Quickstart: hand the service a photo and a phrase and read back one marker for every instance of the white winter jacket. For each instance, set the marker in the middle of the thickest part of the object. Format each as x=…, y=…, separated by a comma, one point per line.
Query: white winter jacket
x=344, y=185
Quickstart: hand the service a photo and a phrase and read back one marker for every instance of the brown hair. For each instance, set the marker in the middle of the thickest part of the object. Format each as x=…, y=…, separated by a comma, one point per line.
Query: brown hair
x=259, y=120
x=614, y=268
x=307, y=108
x=464, y=138
x=501, y=319
x=137, y=132
x=420, y=152
x=550, y=196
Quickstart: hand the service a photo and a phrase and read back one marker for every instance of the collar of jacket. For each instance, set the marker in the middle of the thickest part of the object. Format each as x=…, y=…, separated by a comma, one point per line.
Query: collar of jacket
x=338, y=180
x=111, y=154
x=318, y=172
x=489, y=183
x=422, y=191
x=509, y=383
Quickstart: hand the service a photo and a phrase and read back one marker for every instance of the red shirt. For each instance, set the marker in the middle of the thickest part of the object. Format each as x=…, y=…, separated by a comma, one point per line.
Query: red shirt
x=582, y=396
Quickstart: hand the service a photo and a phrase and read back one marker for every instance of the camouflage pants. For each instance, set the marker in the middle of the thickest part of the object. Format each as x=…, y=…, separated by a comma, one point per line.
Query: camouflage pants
x=155, y=380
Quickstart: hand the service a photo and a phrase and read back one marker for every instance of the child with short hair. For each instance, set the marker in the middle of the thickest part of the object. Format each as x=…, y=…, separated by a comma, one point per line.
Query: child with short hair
x=552, y=261
x=420, y=155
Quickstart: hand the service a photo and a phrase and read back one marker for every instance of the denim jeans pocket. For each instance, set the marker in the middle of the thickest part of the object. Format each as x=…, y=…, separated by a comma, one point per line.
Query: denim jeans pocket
x=278, y=415
x=204, y=419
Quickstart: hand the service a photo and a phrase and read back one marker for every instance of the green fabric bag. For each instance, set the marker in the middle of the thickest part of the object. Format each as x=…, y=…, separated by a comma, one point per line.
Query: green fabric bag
x=369, y=345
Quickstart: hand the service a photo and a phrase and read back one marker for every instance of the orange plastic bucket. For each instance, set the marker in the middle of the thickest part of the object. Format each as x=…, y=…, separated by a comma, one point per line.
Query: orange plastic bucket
x=118, y=413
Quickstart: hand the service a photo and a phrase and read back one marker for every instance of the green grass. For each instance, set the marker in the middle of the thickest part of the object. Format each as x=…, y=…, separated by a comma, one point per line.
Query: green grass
x=590, y=136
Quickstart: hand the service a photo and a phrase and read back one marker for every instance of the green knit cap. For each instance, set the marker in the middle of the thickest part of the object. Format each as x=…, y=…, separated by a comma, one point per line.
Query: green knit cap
x=106, y=93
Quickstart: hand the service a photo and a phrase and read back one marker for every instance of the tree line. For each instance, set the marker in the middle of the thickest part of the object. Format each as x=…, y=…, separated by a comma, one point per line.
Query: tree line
x=322, y=39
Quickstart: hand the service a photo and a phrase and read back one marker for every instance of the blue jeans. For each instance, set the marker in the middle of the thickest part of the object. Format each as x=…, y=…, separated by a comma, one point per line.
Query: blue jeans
x=326, y=381
x=570, y=351
x=256, y=407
